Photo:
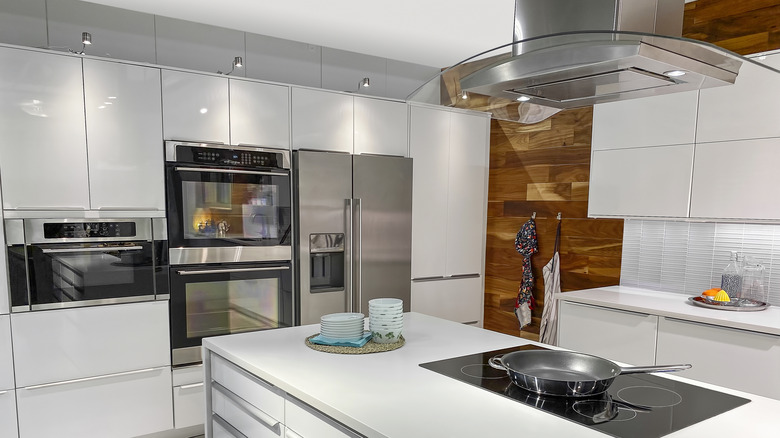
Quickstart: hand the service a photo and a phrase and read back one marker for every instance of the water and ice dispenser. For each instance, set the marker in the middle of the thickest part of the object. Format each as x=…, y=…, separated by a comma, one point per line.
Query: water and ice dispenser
x=327, y=262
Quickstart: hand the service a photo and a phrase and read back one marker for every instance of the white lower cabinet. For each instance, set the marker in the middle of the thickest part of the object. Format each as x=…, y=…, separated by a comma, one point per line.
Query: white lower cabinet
x=189, y=405
x=6, y=356
x=616, y=335
x=302, y=421
x=8, y=414
x=738, y=359
x=119, y=405
x=458, y=299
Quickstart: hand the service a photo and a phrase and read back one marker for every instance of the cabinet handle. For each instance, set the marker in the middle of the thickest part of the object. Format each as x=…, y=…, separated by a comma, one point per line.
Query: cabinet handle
x=3, y=392
x=61, y=207
x=249, y=409
x=218, y=170
x=226, y=271
x=88, y=379
x=227, y=426
x=191, y=385
x=290, y=434
x=456, y=276
x=434, y=278
x=97, y=249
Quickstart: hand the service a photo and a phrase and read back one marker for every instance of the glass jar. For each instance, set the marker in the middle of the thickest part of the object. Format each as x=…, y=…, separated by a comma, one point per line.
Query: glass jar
x=753, y=286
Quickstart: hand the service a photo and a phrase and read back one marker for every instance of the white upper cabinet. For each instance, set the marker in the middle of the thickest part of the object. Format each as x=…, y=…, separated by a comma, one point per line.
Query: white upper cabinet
x=124, y=133
x=381, y=127
x=322, y=120
x=429, y=143
x=259, y=114
x=466, y=194
x=195, y=107
x=736, y=179
x=650, y=181
x=43, y=155
x=745, y=110
x=652, y=121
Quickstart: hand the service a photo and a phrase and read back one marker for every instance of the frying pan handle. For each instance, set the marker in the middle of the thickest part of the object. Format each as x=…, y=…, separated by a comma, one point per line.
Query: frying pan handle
x=654, y=369
x=495, y=362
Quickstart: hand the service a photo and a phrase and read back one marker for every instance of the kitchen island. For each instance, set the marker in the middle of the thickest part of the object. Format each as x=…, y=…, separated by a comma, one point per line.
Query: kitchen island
x=389, y=395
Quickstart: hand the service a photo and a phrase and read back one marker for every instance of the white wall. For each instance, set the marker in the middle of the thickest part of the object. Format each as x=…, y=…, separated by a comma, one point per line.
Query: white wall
x=688, y=257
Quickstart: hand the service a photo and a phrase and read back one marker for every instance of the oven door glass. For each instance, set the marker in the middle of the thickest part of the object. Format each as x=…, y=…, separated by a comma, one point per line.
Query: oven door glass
x=220, y=300
x=228, y=207
x=67, y=275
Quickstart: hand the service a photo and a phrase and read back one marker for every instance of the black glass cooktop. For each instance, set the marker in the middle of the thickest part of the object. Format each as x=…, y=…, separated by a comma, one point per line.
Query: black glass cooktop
x=635, y=405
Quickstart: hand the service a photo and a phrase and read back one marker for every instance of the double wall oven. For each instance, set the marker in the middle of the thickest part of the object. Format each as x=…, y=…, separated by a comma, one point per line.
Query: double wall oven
x=229, y=231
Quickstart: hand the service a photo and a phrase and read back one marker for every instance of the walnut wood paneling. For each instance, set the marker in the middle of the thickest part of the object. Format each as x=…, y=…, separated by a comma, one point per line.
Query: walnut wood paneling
x=545, y=168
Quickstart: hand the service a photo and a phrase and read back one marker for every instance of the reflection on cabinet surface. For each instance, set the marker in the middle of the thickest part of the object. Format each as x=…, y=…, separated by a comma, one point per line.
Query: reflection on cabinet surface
x=322, y=120
x=43, y=155
x=195, y=107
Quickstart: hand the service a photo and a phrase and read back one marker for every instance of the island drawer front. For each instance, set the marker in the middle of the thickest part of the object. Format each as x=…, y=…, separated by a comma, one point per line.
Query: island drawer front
x=306, y=422
x=242, y=418
x=260, y=394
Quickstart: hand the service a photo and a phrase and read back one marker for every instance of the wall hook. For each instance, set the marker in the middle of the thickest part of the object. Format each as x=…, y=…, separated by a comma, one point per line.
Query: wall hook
x=533, y=215
x=559, y=215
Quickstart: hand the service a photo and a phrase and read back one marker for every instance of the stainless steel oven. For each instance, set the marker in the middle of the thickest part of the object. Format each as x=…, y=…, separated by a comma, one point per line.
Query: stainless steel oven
x=57, y=263
x=210, y=300
x=227, y=204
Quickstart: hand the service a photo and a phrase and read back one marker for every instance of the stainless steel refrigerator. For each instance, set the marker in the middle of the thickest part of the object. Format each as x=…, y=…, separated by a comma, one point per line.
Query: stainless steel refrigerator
x=354, y=238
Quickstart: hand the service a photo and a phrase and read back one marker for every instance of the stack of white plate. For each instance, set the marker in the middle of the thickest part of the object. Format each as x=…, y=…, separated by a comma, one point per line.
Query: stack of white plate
x=342, y=326
x=386, y=319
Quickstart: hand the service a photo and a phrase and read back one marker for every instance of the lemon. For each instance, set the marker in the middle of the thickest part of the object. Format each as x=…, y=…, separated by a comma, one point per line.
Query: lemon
x=722, y=296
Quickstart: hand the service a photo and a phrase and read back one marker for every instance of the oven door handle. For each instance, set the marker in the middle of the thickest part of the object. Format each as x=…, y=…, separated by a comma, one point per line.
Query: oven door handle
x=227, y=271
x=217, y=170
x=100, y=249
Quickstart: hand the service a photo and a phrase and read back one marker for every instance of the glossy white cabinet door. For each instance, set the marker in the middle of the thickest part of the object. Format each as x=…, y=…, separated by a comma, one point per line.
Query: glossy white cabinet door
x=306, y=422
x=381, y=127
x=736, y=179
x=259, y=114
x=124, y=136
x=5, y=296
x=429, y=142
x=459, y=300
x=752, y=359
x=747, y=109
x=8, y=414
x=612, y=334
x=43, y=155
x=6, y=355
x=58, y=345
x=322, y=120
x=652, y=121
x=651, y=181
x=189, y=405
x=467, y=194
x=114, y=406
x=195, y=107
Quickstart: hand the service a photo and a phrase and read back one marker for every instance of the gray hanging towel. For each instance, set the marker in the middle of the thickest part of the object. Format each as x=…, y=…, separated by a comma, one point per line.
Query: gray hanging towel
x=548, y=330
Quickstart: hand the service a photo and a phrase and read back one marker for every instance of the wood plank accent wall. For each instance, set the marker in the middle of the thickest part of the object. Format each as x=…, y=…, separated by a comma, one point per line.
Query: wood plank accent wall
x=545, y=168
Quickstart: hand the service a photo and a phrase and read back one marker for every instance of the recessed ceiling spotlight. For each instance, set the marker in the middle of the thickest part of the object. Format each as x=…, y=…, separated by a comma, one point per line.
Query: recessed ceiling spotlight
x=523, y=99
x=365, y=83
x=674, y=73
x=86, y=38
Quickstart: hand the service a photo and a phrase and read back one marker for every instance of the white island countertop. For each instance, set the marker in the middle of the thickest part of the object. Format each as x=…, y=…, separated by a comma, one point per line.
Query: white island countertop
x=388, y=395
x=675, y=305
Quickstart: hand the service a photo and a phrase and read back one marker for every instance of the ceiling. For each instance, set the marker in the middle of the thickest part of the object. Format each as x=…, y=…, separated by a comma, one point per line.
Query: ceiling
x=436, y=33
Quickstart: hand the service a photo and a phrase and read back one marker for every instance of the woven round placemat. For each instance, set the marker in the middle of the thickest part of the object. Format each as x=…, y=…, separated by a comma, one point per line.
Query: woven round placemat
x=369, y=347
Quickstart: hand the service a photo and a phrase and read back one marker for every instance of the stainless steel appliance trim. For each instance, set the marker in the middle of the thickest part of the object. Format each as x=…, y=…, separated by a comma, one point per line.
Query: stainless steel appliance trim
x=229, y=254
x=186, y=355
x=458, y=276
x=16, y=309
x=161, y=297
x=89, y=379
x=327, y=250
x=89, y=303
x=267, y=420
x=14, y=232
x=99, y=249
x=229, y=270
x=219, y=170
x=358, y=294
x=191, y=385
x=227, y=426
x=349, y=256
x=423, y=279
x=159, y=228
x=170, y=149
x=33, y=230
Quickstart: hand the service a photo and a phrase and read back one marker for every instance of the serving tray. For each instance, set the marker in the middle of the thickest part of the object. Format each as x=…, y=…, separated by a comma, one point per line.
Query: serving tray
x=739, y=305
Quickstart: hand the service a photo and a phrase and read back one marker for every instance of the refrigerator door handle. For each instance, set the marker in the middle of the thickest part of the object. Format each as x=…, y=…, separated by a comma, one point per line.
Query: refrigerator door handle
x=348, y=254
x=358, y=285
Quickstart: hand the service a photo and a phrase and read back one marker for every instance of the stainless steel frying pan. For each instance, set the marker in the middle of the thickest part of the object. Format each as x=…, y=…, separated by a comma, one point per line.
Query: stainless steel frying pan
x=566, y=373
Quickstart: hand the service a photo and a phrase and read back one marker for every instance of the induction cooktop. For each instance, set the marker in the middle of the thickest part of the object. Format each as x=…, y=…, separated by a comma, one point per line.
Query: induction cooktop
x=635, y=405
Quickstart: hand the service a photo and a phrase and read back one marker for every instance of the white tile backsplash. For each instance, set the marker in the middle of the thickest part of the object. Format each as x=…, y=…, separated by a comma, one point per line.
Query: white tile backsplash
x=688, y=257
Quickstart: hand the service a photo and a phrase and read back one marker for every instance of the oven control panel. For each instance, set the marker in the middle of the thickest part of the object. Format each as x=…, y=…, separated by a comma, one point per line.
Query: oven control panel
x=228, y=157
x=81, y=230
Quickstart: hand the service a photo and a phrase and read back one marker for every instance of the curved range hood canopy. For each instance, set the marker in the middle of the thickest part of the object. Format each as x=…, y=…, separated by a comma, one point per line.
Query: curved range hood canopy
x=580, y=65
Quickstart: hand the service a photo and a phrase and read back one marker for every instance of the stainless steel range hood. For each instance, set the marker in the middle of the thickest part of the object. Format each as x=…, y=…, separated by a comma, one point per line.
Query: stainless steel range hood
x=611, y=63
x=576, y=53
